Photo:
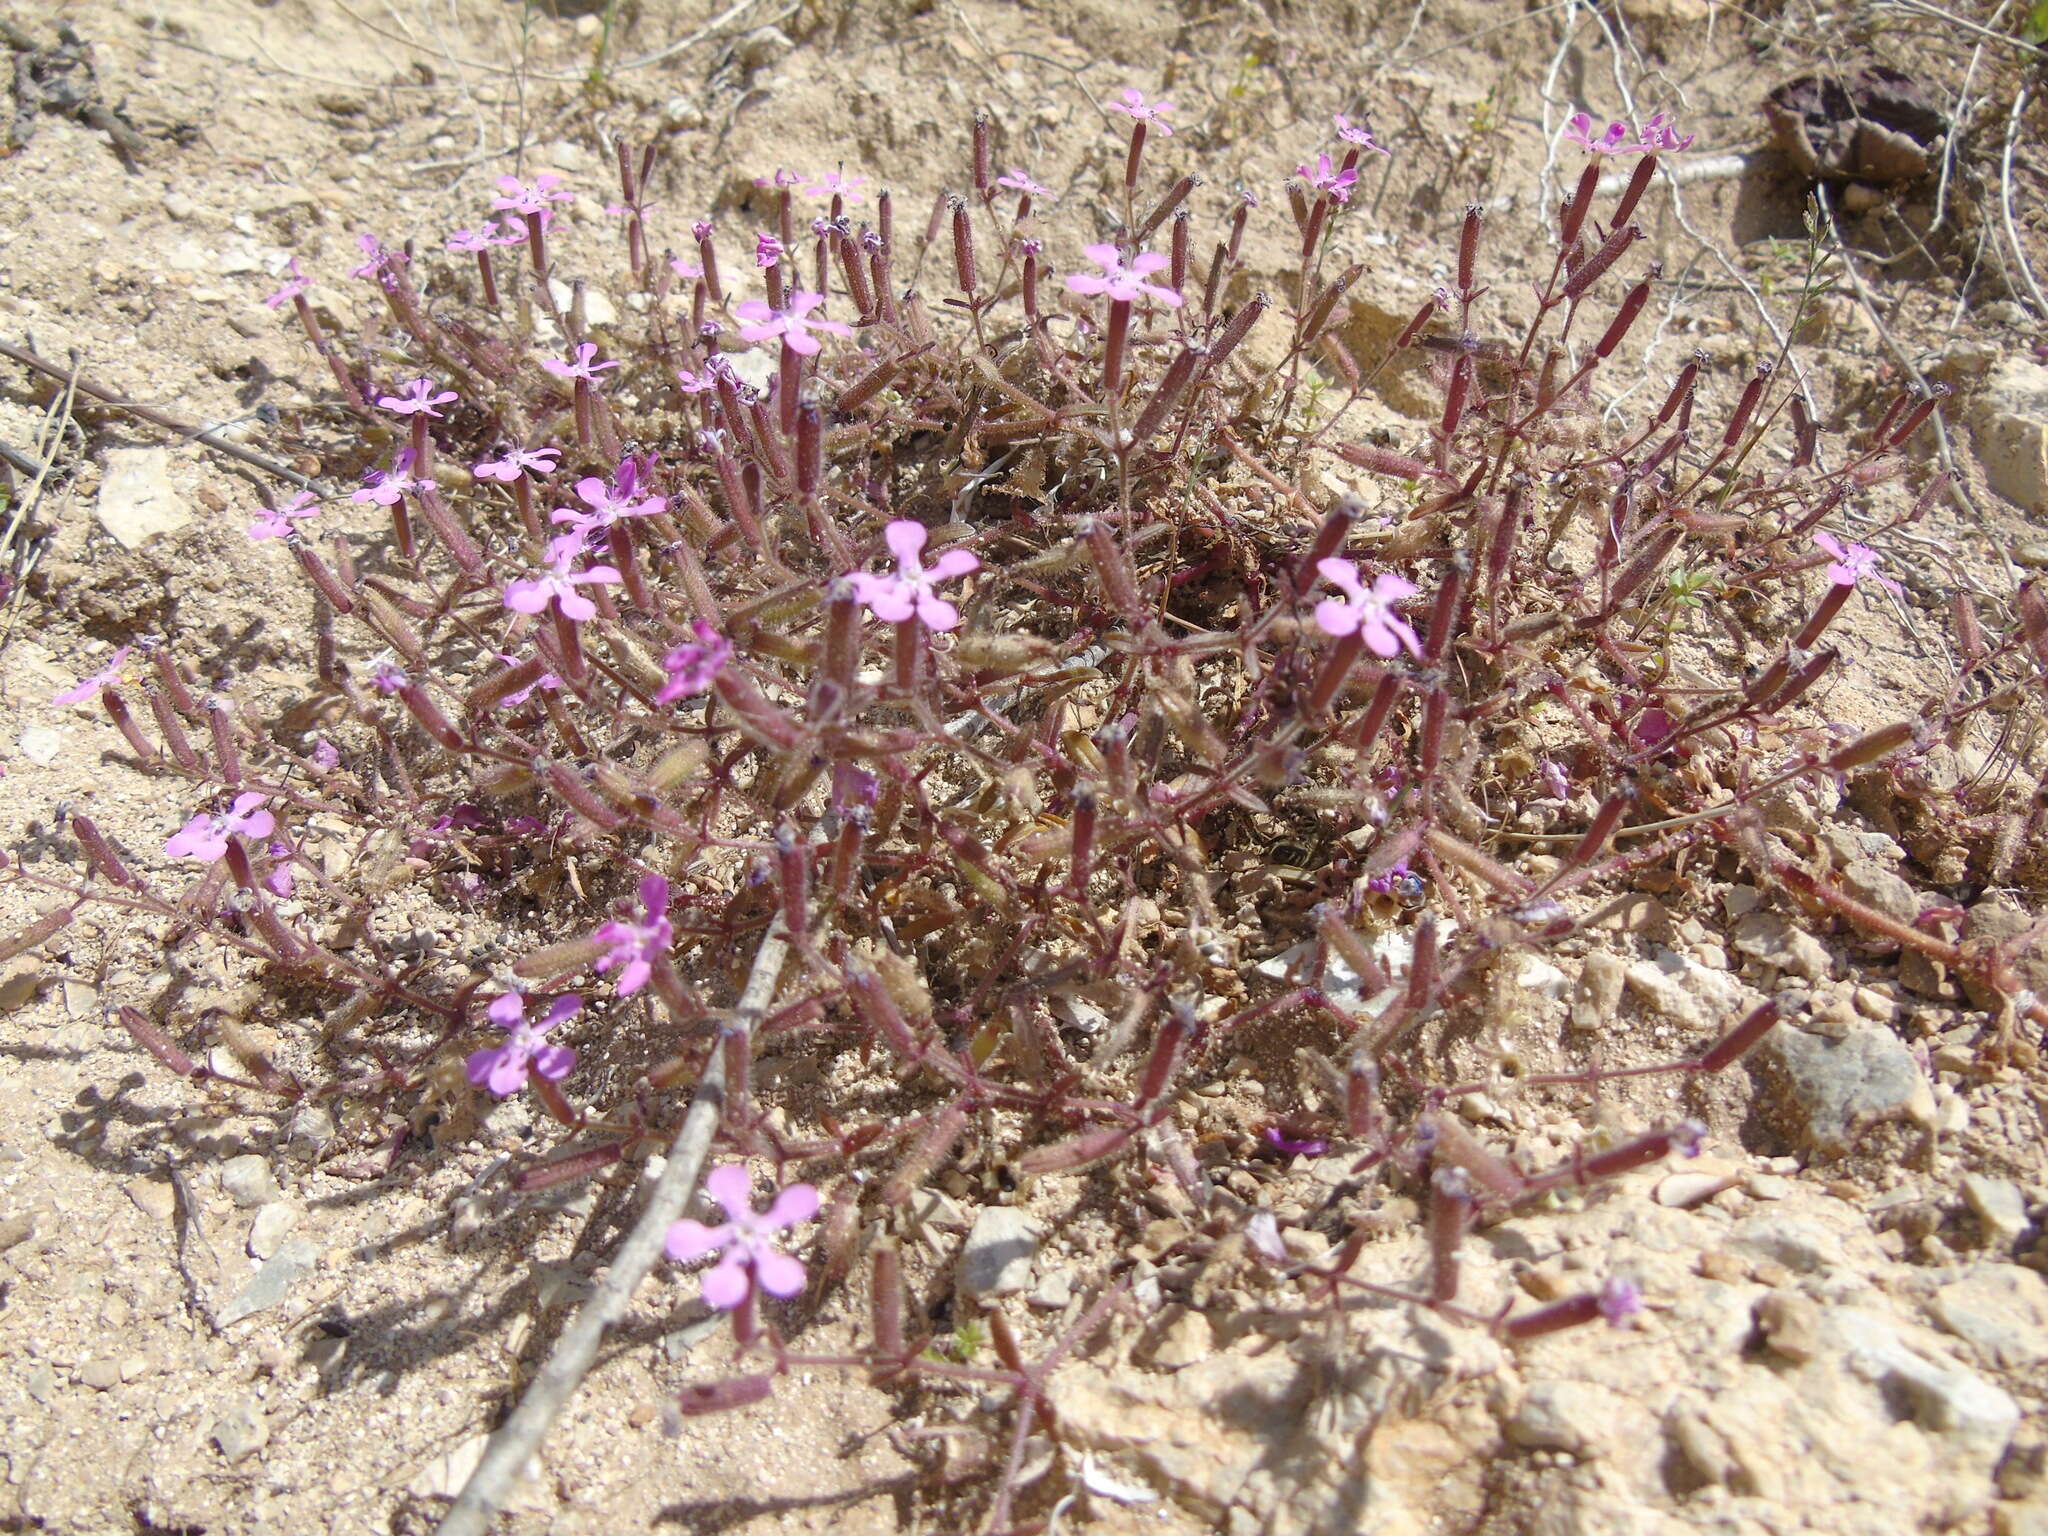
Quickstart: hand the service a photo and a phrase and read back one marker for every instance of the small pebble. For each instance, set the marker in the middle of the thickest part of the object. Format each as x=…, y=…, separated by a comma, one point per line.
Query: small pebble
x=248, y=1181
x=1791, y=1325
x=100, y=1374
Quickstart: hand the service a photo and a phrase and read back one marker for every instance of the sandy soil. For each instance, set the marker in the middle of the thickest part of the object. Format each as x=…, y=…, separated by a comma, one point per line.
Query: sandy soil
x=428, y=1294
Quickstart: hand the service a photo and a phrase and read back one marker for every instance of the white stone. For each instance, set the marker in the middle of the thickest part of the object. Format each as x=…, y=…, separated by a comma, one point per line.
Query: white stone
x=137, y=500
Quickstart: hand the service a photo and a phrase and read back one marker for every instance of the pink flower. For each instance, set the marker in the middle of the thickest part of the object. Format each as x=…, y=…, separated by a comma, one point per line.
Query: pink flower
x=1370, y=614
x=1327, y=179
x=387, y=678
x=512, y=232
x=279, y=881
x=1619, y=1300
x=1134, y=105
x=419, y=399
x=694, y=665
x=767, y=250
x=1852, y=562
x=206, y=837
x=790, y=324
x=386, y=487
x=89, y=687
x=749, y=1256
x=781, y=178
x=276, y=522
x=559, y=583
x=1659, y=134
x=1656, y=134
x=1359, y=134
x=1122, y=282
x=609, y=503
x=294, y=285
x=580, y=366
x=480, y=239
x=636, y=946
x=685, y=268
x=1020, y=181
x=508, y=1068
x=380, y=260
x=522, y=199
x=326, y=755
x=832, y=184
x=894, y=599
x=515, y=462
x=696, y=383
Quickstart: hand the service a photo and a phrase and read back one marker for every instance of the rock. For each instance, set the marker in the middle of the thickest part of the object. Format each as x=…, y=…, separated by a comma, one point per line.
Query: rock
x=1686, y=992
x=1182, y=1338
x=153, y=1197
x=1579, y=1417
x=1599, y=990
x=100, y=1374
x=2010, y=418
x=1802, y=1246
x=1834, y=1090
x=1875, y=886
x=1944, y=1399
x=998, y=1255
x=242, y=1430
x=1683, y=1191
x=270, y=1284
x=1775, y=940
x=20, y=980
x=1790, y=1324
x=248, y=1181
x=16, y=1228
x=1053, y=1293
x=598, y=309
x=311, y=1132
x=1535, y=974
x=40, y=744
x=137, y=500
x=1996, y=1203
x=2001, y=1310
x=273, y=1224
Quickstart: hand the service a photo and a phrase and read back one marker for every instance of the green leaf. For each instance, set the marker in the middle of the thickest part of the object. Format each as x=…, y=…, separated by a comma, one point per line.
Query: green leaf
x=2035, y=28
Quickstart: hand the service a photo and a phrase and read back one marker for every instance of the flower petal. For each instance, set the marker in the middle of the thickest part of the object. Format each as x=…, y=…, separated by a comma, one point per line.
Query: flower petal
x=690, y=1240
x=726, y=1286
x=797, y=1203
x=779, y=1274
x=732, y=1187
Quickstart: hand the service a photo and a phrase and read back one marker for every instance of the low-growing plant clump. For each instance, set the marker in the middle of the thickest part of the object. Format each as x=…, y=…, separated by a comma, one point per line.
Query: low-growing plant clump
x=941, y=654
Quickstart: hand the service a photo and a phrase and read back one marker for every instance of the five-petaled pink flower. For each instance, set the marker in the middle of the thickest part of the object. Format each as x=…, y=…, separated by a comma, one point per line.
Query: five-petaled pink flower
x=514, y=462
x=767, y=250
x=1020, y=181
x=694, y=665
x=750, y=1257
x=793, y=324
x=419, y=399
x=480, y=239
x=832, y=184
x=1326, y=178
x=206, y=837
x=1659, y=134
x=559, y=583
x=387, y=487
x=1359, y=134
x=294, y=285
x=89, y=687
x=1851, y=562
x=506, y=1069
x=1121, y=281
x=380, y=260
x=1133, y=104
x=685, y=268
x=276, y=522
x=579, y=366
x=635, y=946
x=609, y=503
x=1368, y=614
x=897, y=598
x=517, y=197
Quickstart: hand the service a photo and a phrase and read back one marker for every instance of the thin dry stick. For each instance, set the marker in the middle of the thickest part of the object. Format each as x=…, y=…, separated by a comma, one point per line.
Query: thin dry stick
x=206, y=435
x=576, y=1350
x=2012, y=234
